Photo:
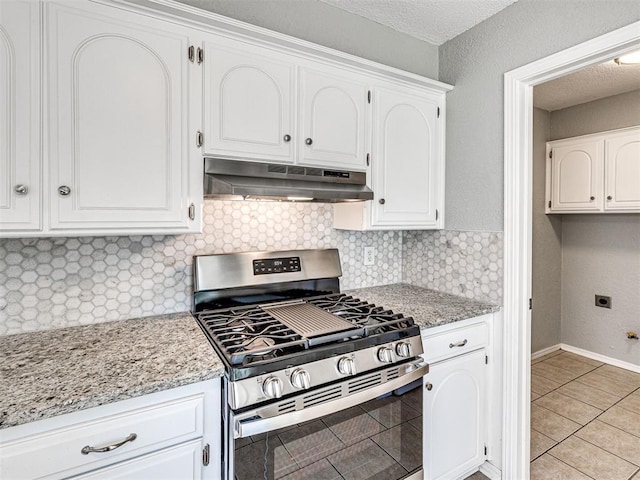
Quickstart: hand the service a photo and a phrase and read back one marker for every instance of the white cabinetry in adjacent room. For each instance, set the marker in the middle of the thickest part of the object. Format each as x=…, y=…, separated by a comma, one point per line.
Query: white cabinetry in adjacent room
x=20, y=189
x=170, y=434
x=249, y=99
x=333, y=119
x=622, y=171
x=598, y=173
x=457, y=392
x=118, y=115
x=407, y=164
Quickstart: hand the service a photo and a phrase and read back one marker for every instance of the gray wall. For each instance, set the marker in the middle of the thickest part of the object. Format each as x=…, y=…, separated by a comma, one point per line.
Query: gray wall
x=547, y=248
x=601, y=255
x=331, y=27
x=609, y=113
x=475, y=62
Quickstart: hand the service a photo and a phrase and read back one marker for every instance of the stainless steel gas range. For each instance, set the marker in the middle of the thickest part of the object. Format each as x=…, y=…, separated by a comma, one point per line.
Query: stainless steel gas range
x=318, y=384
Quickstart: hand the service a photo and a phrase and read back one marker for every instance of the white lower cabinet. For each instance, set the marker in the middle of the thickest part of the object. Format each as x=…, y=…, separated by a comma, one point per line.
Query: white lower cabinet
x=161, y=435
x=456, y=397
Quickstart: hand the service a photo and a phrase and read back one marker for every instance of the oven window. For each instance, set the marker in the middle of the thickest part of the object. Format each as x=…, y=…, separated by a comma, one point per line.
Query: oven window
x=380, y=439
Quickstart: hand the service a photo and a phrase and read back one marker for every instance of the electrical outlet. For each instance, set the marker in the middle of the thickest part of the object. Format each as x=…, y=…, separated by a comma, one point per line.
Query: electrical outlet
x=369, y=256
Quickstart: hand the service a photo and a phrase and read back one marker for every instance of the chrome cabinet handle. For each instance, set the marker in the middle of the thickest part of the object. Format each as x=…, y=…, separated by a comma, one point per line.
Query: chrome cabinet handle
x=308, y=141
x=87, y=450
x=287, y=138
x=458, y=344
x=21, y=189
x=428, y=386
x=64, y=190
x=382, y=201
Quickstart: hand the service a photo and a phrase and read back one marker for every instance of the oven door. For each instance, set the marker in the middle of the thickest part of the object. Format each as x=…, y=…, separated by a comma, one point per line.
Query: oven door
x=366, y=427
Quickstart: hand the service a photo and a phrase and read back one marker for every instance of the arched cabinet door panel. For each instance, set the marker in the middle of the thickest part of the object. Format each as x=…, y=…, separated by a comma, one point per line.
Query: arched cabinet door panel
x=454, y=411
x=576, y=174
x=622, y=172
x=20, y=187
x=406, y=168
x=118, y=116
x=333, y=119
x=248, y=102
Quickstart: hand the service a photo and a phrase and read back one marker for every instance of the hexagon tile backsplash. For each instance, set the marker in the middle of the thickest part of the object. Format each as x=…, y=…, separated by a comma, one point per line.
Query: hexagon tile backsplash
x=61, y=282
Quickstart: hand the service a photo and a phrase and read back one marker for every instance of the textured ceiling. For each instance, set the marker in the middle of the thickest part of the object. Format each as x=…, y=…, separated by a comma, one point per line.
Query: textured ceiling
x=434, y=21
x=591, y=83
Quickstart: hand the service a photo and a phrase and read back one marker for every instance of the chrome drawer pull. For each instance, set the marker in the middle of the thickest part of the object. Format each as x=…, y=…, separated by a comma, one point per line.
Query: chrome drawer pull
x=87, y=450
x=458, y=344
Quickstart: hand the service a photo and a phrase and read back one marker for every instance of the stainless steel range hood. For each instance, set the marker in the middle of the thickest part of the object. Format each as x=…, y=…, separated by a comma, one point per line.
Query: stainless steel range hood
x=232, y=179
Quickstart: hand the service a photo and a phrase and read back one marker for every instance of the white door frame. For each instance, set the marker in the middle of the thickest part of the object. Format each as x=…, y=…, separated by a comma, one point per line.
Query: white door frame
x=518, y=131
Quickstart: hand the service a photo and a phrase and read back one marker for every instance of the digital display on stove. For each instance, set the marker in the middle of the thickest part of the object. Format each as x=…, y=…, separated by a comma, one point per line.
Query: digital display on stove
x=268, y=266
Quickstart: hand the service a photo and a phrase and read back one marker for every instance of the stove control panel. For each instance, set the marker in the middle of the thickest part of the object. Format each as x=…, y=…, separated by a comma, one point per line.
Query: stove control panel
x=267, y=266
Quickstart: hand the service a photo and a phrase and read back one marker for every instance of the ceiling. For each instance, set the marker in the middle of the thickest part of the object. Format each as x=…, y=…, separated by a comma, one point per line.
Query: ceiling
x=434, y=21
x=590, y=83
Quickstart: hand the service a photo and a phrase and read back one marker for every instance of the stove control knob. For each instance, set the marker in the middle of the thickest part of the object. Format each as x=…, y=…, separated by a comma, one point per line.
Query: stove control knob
x=272, y=387
x=385, y=355
x=347, y=366
x=403, y=349
x=300, y=379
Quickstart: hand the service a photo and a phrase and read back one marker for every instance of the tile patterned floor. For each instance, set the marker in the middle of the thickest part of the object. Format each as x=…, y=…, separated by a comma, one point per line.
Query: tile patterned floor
x=585, y=419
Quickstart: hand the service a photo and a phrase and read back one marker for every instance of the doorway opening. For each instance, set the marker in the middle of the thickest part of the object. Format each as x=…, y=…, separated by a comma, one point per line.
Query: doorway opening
x=518, y=88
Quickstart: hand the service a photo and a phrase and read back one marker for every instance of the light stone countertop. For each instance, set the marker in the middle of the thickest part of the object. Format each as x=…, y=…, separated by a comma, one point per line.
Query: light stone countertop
x=429, y=308
x=52, y=372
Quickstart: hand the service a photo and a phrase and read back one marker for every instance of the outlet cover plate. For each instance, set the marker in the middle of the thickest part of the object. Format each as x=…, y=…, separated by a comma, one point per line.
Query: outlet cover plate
x=369, y=256
x=603, y=301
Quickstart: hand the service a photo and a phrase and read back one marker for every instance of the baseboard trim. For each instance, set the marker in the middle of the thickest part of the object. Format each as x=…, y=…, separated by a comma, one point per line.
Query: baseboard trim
x=601, y=358
x=544, y=351
x=488, y=469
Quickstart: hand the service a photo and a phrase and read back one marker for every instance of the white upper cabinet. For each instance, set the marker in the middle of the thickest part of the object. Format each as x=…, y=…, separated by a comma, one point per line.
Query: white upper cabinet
x=333, y=119
x=249, y=100
x=622, y=163
x=20, y=190
x=407, y=164
x=594, y=173
x=118, y=120
x=576, y=176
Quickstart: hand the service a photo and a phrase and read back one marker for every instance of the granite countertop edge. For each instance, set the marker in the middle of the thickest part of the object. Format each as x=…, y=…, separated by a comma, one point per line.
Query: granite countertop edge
x=48, y=373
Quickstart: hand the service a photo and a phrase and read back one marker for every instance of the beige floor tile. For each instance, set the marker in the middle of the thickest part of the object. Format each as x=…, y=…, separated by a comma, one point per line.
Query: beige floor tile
x=620, y=374
x=592, y=461
x=613, y=440
x=547, y=467
x=542, y=385
x=631, y=403
x=571, y=364
x=546, y=356
x=607, y=384
x=477, y=476
x=551, y=372
x=582, y=359
x=623, y=419
x=551, y=424
x=534, y=395
x=593, y=396
x=568, y=407
x=540, y=444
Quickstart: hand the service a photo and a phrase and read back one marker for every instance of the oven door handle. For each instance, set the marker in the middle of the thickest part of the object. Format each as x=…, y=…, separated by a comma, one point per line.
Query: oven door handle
x=270, y=420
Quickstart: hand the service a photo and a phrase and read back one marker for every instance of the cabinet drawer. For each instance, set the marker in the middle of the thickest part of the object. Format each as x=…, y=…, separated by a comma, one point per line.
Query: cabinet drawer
x=58, y=452
x=455, y=342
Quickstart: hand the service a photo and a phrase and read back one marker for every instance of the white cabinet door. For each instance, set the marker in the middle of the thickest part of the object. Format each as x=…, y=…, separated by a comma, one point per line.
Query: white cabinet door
x=248, y=101
x=406, y=163
x=20, y=189
x=454, y=409
x=118, y=119
x=183, y=462
x=622, y=172
x=333, y=119
x=576, y=176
